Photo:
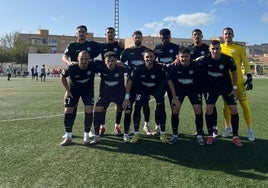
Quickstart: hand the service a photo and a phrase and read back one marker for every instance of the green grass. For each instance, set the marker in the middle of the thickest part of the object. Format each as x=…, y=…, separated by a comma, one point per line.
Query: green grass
x=31, y=124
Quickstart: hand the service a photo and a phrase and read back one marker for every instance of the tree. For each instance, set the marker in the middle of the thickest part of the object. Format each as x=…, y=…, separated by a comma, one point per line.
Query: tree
x=13, y=49
x=4, y=55
x=7, y=42
x=19, y=53
x=6, y=45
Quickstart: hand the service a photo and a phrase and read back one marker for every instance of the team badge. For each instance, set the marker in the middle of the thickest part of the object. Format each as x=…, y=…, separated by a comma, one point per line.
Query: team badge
x=202, y=52
x=171, y=51
x=115, y=49
x=153, y=76
x=221, y=67
x=233, y=51
x=191, y=72
x=88, y=49
x=116, y=75
x=88, y=72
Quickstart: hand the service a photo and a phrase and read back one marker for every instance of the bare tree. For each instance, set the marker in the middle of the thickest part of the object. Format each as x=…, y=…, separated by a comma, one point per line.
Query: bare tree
x=7, y=41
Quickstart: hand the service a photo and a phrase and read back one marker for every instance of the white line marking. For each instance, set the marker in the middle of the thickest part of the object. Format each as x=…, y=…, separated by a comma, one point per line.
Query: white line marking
x=41, y=117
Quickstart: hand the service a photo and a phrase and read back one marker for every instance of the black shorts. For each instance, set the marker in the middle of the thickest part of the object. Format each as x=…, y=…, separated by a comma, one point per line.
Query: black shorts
x=42, y=75
x=142, y=97
x=105, y=100
x=193, y=94
x=87, y=98
x=212, y=97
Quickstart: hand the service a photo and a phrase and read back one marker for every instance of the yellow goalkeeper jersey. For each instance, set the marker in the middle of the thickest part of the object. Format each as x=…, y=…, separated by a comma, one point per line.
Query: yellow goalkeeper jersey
x=238, y=53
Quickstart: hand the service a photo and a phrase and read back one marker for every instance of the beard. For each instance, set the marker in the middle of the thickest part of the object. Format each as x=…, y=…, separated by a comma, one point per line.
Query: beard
x=137, y=43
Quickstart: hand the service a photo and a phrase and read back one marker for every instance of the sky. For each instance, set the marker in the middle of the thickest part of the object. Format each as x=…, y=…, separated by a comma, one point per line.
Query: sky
x=248, y=18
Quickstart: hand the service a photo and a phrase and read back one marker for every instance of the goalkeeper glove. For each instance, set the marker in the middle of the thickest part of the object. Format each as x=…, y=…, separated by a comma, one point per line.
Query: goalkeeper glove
x=248, y=83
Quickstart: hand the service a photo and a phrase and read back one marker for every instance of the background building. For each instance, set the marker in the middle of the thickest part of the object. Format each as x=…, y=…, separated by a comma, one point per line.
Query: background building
x=54, y=43
x=43, y=42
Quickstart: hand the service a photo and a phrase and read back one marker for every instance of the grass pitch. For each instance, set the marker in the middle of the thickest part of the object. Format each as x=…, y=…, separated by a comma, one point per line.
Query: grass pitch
x=31, y=124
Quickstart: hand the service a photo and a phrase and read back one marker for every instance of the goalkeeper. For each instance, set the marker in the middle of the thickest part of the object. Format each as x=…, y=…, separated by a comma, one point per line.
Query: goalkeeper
x=238, y=53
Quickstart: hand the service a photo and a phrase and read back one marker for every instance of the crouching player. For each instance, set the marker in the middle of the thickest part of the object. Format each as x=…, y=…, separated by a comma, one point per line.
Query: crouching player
x=149, y=79
x=112, y=89
x=81, y=84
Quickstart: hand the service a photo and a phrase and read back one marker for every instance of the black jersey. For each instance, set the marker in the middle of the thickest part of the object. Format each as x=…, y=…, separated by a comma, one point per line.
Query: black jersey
x=81, y=78
x=148, y=80
x=73, y=49
x=197, y=51
x=184, y=77
x=166, y=53
x=106, y=47
x=133, y=56
x=219, y=73
x=112, y=81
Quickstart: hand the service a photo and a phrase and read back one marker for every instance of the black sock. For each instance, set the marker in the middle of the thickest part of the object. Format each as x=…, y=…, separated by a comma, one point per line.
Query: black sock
x=199, y=123
x=175, y=123
x=118, y=117
x=98, y=119
x=74, y=112
x=88, y=121
x=160, y=113
x=127, y=122
x=209, y=120
x=214, y=116
x=137, y=116
x=235, y=123
x=146, y=112
x=68, y=122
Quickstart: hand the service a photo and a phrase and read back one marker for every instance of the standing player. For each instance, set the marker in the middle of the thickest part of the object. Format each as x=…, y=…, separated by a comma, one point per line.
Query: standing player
x=165, y=53
x=133, y=57
x=36, y=72
x=116, y=46
x=73, y=49
x=198, y=50
x=32, y=72
x=81, y=84
x=184, y=77
x=221, y=83
x=43, y=73
x=9, y=72
x=238, y=53
x=112, y=89
x=149, y=79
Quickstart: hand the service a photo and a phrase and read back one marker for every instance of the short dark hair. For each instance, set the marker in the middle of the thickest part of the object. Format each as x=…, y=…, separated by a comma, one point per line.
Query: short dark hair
x=164, y=32
x=109, y=28
x=184, y=50
x=110, y=54
x=214, y=42
x=81, y=27
x=148, y=50
x=137, y=33
x=228, y=28
x=197, y=30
